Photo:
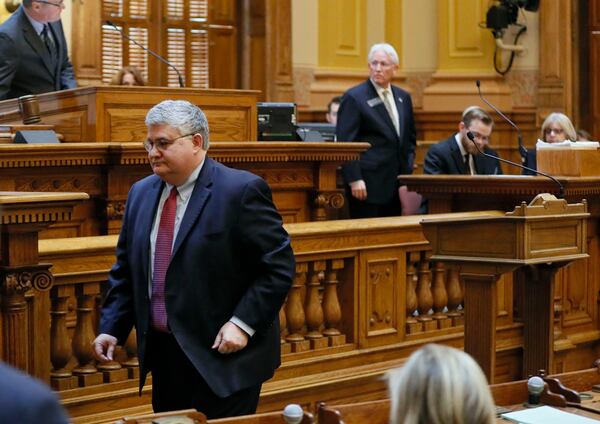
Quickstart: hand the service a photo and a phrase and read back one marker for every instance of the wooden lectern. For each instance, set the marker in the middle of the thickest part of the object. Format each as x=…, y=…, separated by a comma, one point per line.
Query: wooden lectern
x=534, y=239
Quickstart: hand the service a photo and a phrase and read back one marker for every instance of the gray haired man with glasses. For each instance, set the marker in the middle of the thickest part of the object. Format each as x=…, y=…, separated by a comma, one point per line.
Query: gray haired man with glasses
x=203, y=266
x=33, y=51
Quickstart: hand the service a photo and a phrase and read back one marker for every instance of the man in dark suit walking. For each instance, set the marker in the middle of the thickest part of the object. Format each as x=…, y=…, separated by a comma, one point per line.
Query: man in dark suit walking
x=25, y=400
x=203, y=265
x=458, y=155
x=381, y=114
x=33, y=51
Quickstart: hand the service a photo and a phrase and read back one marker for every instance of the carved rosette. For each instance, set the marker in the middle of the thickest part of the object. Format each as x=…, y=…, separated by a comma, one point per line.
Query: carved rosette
x=115, y=210
x=330, y=200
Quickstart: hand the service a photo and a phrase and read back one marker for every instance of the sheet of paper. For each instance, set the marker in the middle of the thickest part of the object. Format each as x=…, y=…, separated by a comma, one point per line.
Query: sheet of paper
x=547, y=415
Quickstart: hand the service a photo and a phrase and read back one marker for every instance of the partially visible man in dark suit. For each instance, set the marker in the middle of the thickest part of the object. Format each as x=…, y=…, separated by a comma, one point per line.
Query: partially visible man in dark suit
x=458, y=155
x=33, y=51
x=25, y=400
x=203, y=265
x=381, y=114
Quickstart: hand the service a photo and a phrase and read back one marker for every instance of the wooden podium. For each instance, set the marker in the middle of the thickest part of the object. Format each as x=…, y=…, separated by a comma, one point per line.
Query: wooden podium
x=116, y=113
x=534, y=239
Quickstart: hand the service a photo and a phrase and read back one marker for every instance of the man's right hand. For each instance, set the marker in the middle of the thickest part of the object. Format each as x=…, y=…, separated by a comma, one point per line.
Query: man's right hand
x=104, y=347
x=359, y=189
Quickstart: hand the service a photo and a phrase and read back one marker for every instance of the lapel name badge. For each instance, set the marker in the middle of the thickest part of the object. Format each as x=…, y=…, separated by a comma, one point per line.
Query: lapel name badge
x=374, y=101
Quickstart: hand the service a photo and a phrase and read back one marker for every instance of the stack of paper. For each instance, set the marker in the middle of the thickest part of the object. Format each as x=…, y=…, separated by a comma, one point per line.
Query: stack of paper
x=546, y=415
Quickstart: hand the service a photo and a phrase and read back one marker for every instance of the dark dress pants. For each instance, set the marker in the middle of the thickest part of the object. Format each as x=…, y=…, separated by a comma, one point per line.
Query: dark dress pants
x=176, y=384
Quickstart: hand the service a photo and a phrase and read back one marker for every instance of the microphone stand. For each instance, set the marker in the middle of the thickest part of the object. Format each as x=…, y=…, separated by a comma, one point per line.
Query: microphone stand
x=159, y=57
x=561, y=193
x=522, y=149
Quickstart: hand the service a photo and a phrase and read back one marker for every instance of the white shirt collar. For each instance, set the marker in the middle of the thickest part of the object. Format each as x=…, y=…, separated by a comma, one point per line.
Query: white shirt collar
x=381, y=89
x=185, y=190
x=463, y=152
x=37, y=25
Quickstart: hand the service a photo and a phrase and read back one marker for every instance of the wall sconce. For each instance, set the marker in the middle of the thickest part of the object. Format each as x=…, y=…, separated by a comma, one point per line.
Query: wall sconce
x=12, y=5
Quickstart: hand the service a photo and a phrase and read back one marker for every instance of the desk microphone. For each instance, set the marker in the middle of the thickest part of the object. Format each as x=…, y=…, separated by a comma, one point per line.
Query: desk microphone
x=535, y=387
x=156, y=55
x=522, y=149
x=561, y=193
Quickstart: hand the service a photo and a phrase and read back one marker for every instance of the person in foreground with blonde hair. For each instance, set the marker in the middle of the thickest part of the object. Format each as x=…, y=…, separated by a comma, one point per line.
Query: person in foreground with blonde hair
x=440, y=385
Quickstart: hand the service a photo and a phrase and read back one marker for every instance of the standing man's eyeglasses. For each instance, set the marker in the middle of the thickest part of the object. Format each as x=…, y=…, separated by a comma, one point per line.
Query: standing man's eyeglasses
x=61, y=3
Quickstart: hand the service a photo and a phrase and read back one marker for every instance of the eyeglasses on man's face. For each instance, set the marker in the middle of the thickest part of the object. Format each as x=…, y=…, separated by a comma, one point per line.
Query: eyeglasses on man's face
x=478, y=136
x=162, y=144
x=60, y=3
x=384, y=65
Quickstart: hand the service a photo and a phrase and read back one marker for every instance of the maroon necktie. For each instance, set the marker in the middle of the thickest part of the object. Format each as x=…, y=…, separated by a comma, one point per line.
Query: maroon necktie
x=162, y=256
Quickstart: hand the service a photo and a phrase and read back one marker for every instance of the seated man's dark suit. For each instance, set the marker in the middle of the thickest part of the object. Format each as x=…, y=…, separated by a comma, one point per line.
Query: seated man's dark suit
x=25, y=400
x=362, y=117
x=530, y=161
x=231, y=257
x=445, y=158
x=26, y=66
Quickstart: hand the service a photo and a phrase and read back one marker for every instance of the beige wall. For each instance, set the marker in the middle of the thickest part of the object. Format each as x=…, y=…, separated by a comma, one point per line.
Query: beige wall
x=434, y=38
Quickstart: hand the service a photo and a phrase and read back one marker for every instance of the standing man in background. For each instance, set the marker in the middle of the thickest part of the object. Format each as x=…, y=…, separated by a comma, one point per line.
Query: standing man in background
x=33, y=51
x=381, y=114
x=203, y=266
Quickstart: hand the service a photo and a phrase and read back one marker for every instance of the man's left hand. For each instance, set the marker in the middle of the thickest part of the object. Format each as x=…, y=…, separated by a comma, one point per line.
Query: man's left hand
x=231, y=338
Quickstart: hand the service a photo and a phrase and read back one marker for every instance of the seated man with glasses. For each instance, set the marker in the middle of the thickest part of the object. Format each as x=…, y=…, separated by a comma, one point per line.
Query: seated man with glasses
x=203, y=265
x=33, y=51
x=458, y=154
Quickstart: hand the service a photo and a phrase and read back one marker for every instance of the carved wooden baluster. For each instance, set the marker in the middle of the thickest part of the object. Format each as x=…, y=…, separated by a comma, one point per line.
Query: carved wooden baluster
x=424, y=296
x=331, y=303
x=84, y=335
x=132, y=362
x=455, y=295
x=438, y=288
x=294, y=310
x=60, y=343
x=314, y=309
x=282, y=324
x=412, y=325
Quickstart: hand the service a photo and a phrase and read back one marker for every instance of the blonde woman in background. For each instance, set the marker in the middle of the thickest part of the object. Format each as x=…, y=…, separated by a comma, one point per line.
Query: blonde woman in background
x=440, y=385
x=557, y=127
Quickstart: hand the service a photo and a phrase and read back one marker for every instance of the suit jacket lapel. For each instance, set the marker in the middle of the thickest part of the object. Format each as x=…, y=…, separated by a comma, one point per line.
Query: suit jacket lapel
x=145, y=222
x=36, y=43
x=399, y=108
x=380, y=108
x=200, y=194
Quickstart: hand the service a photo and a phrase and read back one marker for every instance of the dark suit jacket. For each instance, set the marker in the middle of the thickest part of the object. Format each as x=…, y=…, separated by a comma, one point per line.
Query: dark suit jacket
x=231, y=257
x=445, y=158
x=26, y=67
x=25, y=400
x=389, y=154
x=530, y=161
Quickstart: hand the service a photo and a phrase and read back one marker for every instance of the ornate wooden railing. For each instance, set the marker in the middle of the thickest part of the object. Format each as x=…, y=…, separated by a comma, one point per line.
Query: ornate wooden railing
x=365, y=295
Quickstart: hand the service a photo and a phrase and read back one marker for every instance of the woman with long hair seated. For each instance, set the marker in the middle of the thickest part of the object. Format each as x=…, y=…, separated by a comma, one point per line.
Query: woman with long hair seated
x=128, y=75
x=440, y=385
x=557, y=127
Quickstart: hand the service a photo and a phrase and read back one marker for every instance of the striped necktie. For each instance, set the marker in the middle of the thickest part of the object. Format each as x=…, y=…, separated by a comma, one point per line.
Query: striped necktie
x=388, y=107
x=162, y=257
x=46, y=35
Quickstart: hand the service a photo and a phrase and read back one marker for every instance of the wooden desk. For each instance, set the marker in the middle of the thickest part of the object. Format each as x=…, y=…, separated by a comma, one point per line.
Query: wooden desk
x=116, y=113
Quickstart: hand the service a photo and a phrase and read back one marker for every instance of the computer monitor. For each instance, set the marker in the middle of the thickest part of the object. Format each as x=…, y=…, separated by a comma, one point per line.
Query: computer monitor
x=316, y=131
x=276, y=121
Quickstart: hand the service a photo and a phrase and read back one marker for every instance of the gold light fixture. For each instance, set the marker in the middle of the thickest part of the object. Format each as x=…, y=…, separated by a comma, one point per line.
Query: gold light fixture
x=12, y=5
